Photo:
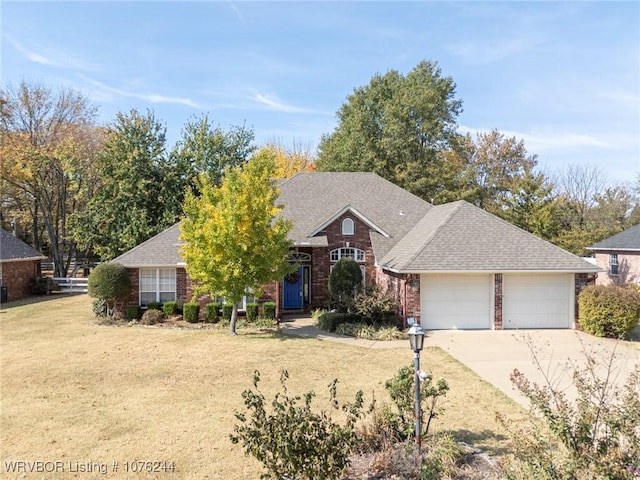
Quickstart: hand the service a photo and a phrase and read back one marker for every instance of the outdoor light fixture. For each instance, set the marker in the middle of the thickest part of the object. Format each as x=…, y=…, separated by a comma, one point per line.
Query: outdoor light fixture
x=416, y=340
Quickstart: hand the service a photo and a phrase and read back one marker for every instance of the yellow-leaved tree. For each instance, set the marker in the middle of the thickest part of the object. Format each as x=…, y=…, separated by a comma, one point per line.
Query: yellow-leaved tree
x=233, y=238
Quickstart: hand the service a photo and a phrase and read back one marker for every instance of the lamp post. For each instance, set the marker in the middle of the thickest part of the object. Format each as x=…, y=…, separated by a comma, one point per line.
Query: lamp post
x=416, y=341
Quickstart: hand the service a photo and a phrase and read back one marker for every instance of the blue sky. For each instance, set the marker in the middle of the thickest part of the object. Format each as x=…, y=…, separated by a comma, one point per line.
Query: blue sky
x=562, y=76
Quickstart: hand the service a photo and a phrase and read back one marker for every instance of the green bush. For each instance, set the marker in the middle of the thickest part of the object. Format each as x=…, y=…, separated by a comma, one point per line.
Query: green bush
x=227, y=310
x=170, y=308
x=252, y=312
x=133, y=312
x=42, y=285
x=191, y=312
x=109, y=282
x=212, y=312
x=317, y=447
x=151, y=317
x=345, y=281
x=269, y=310
x=330, y=321
x=609, y=311
x=154, y=306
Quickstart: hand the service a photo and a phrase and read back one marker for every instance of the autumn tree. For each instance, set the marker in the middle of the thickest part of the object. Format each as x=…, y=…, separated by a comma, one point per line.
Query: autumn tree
x=48, y=141
x=132, y=201
x=396, y=126
x=291, y=159
x=234, y=240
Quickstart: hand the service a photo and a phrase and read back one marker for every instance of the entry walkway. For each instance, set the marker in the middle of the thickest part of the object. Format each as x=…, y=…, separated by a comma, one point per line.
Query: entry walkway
x=494, y=355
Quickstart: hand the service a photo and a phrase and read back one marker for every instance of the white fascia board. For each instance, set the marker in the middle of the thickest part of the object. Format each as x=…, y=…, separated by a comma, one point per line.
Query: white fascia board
x=342, y=211
x=584, y=270
x=25, y=259
x=614, y=249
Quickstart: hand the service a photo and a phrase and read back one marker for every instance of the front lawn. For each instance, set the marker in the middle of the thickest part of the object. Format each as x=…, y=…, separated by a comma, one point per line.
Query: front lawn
x=75, y=392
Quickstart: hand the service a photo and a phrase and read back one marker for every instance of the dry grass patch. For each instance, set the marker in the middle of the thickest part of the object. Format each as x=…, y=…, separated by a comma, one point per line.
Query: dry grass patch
x=73, y=391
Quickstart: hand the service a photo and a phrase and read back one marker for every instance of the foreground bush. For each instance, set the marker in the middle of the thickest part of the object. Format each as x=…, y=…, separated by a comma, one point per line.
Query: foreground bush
x=292, y=441
x=170, y=308
x=252, y=312
x=109, y=282
x=151, y=317
x=609, y=311
x=345, y=281
x=597, y=437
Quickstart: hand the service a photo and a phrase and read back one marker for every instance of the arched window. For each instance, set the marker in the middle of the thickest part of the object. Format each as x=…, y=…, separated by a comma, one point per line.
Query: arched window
x=348, y=227
x=355, y=253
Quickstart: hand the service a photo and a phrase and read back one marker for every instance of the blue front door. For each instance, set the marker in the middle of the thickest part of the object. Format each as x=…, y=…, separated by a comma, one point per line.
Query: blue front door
x=292, y=291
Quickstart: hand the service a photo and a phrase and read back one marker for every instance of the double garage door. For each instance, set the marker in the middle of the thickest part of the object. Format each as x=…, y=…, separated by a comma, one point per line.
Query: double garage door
x=451, y=301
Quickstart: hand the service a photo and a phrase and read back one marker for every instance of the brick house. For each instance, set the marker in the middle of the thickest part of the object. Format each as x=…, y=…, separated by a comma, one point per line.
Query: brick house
x=450, y=266
x=619, y=257
x=19, y=265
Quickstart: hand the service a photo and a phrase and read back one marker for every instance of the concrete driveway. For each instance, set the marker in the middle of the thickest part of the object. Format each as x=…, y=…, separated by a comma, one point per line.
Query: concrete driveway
x=493, y=355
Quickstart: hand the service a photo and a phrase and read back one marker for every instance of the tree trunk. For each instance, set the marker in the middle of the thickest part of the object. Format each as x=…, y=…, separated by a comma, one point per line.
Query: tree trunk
x=234, y=317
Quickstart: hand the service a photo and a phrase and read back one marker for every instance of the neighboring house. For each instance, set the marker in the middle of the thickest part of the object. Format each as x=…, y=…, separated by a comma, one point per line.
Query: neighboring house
x=619, y=257
x=450, y=266
x=19, y=265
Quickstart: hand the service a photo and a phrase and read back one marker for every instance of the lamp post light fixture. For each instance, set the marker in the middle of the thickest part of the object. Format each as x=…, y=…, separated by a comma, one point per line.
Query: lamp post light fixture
x=416, y=341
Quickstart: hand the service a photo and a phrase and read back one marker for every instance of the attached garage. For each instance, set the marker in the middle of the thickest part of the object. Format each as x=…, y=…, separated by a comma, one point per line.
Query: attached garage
x=538, y=300
x=452, y=301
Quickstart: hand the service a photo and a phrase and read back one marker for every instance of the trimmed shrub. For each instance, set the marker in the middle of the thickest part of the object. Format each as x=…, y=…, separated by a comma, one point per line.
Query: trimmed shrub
x=227, y=309
x=609, y=311
x=109, y=282
x=170, y=308
x=345, y=281
x=151, y=317
x=154, y=306
x=252, y=312
x=269, y=310
x=331, y=320
x=191, y=312
x=212, y=312
x=133, y=312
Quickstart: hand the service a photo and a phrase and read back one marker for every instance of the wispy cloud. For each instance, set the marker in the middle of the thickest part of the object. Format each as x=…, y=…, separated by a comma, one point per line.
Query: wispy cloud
x=48, y=56
x=148, y=97
x=538, y=142
x=484, y=52
x=274, y=103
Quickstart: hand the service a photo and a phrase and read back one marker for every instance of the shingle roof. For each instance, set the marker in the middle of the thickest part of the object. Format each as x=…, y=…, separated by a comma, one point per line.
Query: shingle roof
x=461, y=237
x=159, y=251
x=14, y=249
x=310, y=199
x=627, y=240
x=412, y=235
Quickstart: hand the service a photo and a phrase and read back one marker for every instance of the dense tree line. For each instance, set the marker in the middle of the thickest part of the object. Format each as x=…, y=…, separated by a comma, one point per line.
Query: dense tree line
x=74, y=188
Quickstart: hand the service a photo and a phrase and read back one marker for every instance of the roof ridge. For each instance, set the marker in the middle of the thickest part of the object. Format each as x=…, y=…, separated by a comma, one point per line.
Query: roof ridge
x=436, y=230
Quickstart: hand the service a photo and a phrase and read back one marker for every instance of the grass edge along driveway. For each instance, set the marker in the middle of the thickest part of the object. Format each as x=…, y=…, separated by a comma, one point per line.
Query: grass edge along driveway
x=90, y=396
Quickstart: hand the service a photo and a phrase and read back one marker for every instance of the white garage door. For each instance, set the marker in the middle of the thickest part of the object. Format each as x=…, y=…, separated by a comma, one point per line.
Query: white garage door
x=456, y=301
x=537, y=301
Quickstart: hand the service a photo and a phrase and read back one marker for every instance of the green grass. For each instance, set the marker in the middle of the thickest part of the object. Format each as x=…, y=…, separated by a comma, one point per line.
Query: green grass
x=74, y=391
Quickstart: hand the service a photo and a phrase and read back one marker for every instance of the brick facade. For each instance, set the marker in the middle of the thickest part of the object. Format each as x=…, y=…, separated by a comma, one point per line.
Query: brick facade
x=628, y=268
x=18, y=276
x=497, y=301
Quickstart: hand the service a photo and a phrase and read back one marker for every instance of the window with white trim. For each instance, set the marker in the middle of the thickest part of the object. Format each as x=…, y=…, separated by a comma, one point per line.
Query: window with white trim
x=347, y=252
x=157, y=285
x=348, y=226
x=613, y=264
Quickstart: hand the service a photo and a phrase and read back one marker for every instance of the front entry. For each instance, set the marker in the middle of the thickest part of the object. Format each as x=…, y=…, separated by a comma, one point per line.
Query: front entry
x=292, y=291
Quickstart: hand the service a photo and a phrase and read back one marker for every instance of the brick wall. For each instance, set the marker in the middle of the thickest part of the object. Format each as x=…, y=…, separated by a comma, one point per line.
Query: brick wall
x=17, y=276
x=404, y=288
x=628, y=268
x=497, y=290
